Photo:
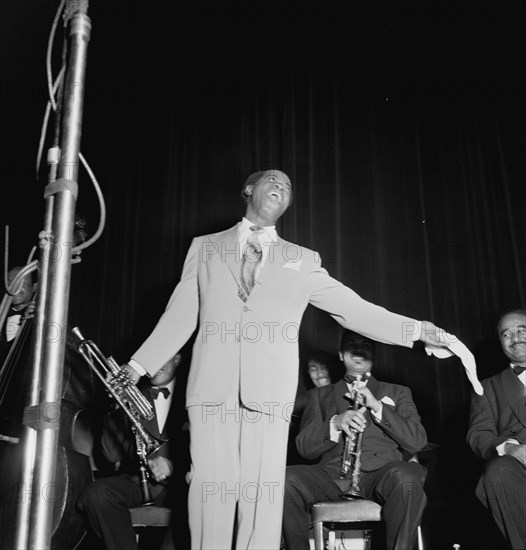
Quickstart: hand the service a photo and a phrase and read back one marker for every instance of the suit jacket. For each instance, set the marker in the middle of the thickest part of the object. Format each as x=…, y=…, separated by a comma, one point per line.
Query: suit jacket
x=497, y=415
x=400, y=430
x=254, y=344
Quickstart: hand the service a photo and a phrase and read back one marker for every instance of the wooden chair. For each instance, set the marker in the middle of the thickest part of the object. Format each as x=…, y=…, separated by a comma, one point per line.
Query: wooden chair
x=149, y=516
x=358, y=514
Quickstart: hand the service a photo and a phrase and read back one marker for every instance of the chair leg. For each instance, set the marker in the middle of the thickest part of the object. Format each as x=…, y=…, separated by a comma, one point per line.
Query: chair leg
x=420, y=539
x=318, y=535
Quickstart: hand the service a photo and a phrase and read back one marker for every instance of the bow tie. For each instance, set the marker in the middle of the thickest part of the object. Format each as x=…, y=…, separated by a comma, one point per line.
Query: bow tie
x=154, y=392
x=350, y=379
x=517, y=369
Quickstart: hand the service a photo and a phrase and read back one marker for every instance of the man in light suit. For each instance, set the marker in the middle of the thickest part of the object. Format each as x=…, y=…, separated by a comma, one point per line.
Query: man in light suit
x=497, y=434
x=391, y=430
x=247, y=340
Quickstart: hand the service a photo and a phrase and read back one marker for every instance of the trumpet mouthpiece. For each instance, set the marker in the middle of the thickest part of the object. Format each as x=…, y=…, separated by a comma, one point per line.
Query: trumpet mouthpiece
x=77, y=336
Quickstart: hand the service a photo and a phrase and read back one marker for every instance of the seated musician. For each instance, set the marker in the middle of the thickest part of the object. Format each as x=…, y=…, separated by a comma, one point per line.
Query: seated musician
x=106, y=501
x=20, y=301
x=497, y=434
x=14, y=337
x=321, y=369
x=387, y=417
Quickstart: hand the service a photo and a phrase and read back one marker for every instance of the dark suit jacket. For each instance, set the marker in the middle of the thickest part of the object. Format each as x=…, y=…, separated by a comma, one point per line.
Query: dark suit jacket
x=400, y=430
x=497, y=415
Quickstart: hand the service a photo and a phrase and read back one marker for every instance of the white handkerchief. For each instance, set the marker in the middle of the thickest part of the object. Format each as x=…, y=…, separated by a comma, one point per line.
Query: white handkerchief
x=387, y=400
x=467, y=358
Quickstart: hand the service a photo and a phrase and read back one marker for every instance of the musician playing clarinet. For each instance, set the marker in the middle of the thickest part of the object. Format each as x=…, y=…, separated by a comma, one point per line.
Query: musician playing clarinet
x=106, y=501
x=388, y=427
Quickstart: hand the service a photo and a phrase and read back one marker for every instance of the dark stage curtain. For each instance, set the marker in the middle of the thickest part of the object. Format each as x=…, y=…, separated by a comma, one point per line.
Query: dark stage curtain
x=407, y=175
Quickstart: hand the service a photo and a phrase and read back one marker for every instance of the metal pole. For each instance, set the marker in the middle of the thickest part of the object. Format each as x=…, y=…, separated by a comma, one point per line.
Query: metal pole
x=42, y=415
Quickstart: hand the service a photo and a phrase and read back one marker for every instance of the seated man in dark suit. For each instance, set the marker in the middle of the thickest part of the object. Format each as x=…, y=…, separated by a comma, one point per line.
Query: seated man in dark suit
x=497, y=434
x=391, y=428
x=106, y=501
x=321, y=369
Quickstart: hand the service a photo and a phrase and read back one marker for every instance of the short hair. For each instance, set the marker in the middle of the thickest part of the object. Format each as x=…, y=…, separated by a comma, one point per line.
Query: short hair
x=358, y=344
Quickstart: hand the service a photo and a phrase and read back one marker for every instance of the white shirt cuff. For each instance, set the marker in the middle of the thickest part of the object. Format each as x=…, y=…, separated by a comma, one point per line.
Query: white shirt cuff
x=378, y=415
x=136, y=366
x=334, y=433
x=418, y=331
x=500, y=448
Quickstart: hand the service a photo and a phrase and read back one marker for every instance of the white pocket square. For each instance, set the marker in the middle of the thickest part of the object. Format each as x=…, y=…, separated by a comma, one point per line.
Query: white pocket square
x=387, y=400
x=293, y=265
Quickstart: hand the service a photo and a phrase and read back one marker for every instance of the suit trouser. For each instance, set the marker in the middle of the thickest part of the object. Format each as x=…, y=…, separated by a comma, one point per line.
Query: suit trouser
x=502, y=489
x=238, y=471
x=105, y=503
x=397, y=486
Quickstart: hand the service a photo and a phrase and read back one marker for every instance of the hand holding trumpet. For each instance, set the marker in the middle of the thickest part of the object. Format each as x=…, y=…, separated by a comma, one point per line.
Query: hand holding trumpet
x=351, y=420
x=160, y=468
x=355, y=419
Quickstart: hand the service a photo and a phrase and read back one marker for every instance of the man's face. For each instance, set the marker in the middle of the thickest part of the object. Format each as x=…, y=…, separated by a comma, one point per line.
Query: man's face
x=355, y=364
x=319, y=373
x=23, y=296
x=270, y=196
x=512, y=335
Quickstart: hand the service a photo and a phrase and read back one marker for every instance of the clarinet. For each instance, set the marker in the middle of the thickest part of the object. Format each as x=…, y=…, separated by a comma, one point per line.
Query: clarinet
x=144, y=476
x=352, y=450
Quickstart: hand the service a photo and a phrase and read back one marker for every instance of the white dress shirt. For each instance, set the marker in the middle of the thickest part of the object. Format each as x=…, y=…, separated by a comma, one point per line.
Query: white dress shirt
x=266, y=239
x=12, y=326
x=162, y=405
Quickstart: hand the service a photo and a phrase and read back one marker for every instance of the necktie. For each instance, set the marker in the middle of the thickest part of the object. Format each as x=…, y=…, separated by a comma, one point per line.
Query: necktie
x=252, y=255
x=517, y=369
x=154, y=392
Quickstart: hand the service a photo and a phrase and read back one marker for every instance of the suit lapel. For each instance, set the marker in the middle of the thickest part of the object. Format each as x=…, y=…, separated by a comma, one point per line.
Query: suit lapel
x=342, y=403
x=227, y=244
x=514, y=391
x=231, y=253
x=274, y=262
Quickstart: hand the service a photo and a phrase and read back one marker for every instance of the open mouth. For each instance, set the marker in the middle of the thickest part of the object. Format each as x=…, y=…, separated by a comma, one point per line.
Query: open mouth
x=275, y=195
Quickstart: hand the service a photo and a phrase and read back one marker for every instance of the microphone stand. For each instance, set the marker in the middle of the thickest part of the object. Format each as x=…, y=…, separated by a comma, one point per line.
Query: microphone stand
x=42, y=413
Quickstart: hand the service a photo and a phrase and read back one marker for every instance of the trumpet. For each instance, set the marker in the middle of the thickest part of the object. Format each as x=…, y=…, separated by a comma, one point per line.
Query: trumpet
x=352, y=450
x=132, y=402
x=121, y=387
